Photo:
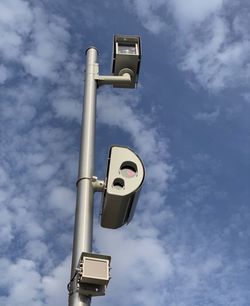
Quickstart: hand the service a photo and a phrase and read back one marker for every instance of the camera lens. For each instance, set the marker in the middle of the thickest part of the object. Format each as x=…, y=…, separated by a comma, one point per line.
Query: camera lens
x=128, y=169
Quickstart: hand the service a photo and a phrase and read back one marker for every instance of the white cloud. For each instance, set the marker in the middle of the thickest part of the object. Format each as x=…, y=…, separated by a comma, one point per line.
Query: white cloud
x=208, y=117
x=6, y=233
x=4, y=177
x=47, y=49
x=37, y=251
x=216, y=60
x=156, y=16
x=16, y=14
x=62, y=199
x=25, y=285
x=212, y=38
x=27, y=280
x=159, y=173
x=195, y=11
x=139, y=265
x=32, y=229
x=4, y=74
x=216, y=49
x=45, y=171
x=124, y=116
x=148, y=12
x=54, y=285
x=16, y=20
x=32, y=38
x=38, y=158
x=67, y=107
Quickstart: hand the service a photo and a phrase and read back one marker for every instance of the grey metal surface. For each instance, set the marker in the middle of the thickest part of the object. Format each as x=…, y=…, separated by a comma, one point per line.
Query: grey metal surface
x=84, y=203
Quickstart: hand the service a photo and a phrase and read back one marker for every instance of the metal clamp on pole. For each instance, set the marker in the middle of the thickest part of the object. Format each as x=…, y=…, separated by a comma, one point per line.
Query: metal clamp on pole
x=98, y=185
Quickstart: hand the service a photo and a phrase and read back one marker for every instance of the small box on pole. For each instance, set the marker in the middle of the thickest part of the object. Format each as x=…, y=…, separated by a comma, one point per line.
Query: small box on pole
x=94, y=274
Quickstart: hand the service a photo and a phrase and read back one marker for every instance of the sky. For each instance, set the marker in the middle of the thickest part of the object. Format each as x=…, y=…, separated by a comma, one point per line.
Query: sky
x=188, y=119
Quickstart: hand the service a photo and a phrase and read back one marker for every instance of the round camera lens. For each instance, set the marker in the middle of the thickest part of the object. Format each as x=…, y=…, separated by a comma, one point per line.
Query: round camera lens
x=128, y=169
x=118, y=183
x=128, y=172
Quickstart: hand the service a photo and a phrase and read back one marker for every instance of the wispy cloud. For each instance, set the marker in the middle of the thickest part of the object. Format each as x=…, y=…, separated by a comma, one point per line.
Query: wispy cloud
x=208, y=117
x=34, y=154
x=149, y=13
x=212, y=38
x=31, y=38
x=218, y=59
x=4, y=74
x=194, y=13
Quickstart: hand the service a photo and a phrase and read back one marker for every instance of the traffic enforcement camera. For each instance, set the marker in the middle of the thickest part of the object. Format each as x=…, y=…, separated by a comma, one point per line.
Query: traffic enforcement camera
x=127, y=58
x=125, y=175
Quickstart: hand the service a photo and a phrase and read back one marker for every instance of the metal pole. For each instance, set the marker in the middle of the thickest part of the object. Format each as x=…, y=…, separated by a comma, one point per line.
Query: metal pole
x=84, y=202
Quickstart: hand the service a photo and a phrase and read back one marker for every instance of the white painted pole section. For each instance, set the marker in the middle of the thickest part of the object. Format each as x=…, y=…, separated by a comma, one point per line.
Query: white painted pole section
x=84, y=202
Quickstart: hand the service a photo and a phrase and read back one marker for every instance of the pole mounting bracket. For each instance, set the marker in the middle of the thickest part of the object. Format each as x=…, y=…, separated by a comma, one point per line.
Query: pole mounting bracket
x=123, y=79
x=98, y=185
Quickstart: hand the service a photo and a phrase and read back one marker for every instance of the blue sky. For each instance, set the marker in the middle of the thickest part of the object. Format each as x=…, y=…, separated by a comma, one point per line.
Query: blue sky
x=188, y=244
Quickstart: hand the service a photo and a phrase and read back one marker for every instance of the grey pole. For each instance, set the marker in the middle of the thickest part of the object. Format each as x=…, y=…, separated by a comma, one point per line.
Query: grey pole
x=84, y=202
